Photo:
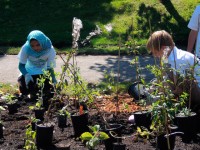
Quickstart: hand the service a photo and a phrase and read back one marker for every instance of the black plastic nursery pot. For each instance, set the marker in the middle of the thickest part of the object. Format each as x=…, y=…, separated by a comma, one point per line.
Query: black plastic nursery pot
x=187, y=125
x=142, y=118
x=12, y=108
x=39, y=113
x=44, y=135
x=136, y=90
x=62, y=119
x=1, y=130
x=119, y=146
x=162, y=142
x=116, y=128
x=198, y=122
x=80, y=124
x=33, y=125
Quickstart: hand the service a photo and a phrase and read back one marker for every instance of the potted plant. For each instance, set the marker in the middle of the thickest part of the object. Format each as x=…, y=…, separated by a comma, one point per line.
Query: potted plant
x=44, y=129
x=185, y=118
x=187, y=123
x=164, y=108
x=80, y=122
x=38, y=109
x=44, y=134
x=62, y=117
x=116, y=143
x=30, y=139
x=94, y=137
x=109, y=129
x=142, y=117
x=161, y=127
x=11, y=102
x=33, y=122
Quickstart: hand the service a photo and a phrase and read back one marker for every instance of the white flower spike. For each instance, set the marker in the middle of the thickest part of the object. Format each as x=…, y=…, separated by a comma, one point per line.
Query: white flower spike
x=109, y=27
x=77, y=26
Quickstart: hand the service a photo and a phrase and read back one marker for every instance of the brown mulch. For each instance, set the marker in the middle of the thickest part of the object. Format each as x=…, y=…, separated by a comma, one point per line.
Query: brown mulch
x=107, y=103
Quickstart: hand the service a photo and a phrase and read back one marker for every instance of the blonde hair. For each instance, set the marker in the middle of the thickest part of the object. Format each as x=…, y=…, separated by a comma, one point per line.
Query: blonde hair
x=159, y=39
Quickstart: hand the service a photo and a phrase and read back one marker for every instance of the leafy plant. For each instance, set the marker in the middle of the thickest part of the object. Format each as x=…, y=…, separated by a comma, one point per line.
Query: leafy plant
x=64, y=112
x=164, y=109
x=185, y=112
x=30, y=139
x=110, y=82
x=38, y=104
x=143, y=133
x=41, y=83
x=9, y=98
x=94, y=137
x=143, y=103
x=33, y=119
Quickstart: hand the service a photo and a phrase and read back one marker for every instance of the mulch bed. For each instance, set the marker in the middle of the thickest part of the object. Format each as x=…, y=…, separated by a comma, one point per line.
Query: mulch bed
x=15, y=126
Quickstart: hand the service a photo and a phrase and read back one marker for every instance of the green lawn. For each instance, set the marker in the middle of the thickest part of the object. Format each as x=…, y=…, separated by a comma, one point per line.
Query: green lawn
x=131, y=20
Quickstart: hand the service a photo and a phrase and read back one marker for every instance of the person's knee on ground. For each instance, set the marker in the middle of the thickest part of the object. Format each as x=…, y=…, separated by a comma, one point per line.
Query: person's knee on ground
x=22, y=86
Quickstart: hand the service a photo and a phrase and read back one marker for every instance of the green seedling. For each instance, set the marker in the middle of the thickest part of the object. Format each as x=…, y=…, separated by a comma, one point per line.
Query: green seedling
x=30, y=139
x=94, y=137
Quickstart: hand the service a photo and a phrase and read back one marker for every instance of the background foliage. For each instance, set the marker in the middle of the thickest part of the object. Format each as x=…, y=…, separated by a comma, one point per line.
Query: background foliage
x=131, y=19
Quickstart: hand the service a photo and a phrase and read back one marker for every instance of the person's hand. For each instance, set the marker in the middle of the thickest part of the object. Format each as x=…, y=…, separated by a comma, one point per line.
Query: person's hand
x=28, y=78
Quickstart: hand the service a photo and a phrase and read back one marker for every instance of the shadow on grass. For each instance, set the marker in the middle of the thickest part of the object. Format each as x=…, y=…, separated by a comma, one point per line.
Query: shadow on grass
x=152, y=20
x=54, y=18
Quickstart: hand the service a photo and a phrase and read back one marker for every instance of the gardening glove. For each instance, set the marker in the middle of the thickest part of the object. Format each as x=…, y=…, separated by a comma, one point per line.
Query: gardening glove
x=28, y=78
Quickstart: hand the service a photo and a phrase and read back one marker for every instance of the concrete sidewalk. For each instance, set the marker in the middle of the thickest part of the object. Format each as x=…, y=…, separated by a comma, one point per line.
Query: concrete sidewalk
x=91, y=67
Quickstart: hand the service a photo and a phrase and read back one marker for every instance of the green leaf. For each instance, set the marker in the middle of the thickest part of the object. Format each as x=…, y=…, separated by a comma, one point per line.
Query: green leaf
x=1, y=108
x=94, y=142
x=103, y=136
x=86, y=136
x=95, y=128
x=144, y=133
x=31, y=107
x=139, y=129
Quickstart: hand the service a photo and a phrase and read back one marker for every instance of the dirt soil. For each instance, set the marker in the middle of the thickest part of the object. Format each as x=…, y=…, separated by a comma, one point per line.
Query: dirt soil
x=15, y=127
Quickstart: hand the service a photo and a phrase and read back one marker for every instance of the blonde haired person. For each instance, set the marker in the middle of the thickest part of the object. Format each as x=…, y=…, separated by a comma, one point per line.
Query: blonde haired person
x=160, y=43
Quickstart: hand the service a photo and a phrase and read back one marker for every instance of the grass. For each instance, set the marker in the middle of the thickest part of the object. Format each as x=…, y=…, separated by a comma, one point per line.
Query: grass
x=103, y=87
x=98, y=50
x=131, y=20
x=8, y=88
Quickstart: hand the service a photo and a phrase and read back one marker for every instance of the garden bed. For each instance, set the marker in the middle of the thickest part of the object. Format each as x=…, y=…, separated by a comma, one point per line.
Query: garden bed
x=16, y=124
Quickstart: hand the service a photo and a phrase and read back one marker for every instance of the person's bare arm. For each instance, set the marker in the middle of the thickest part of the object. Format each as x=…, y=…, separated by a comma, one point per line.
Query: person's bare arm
x=191, y=40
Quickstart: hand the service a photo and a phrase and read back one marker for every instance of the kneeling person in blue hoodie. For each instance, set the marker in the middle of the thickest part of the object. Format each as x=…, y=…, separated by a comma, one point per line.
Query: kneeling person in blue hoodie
x=35, y=56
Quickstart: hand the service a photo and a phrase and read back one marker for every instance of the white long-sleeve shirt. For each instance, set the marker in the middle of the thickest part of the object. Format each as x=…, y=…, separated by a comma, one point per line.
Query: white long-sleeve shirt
x=184, y=61
x=194, y=24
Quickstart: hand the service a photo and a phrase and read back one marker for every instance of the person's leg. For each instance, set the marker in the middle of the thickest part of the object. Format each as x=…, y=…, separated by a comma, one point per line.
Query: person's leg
x=22, y=85
x=33, y=87
x=48, y=89
x=48, y=93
